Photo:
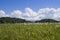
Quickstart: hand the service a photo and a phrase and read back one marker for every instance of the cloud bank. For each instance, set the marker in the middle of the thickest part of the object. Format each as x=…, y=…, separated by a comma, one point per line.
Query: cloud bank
x=29, y=14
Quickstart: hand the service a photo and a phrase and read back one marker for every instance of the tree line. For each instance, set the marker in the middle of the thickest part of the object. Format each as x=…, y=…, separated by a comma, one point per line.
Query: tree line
x=11, y=20
x=19, y=20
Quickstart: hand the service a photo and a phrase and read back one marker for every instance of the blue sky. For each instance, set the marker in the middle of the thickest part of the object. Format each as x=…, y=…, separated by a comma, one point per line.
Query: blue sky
x=9, y=5
x=30, y=9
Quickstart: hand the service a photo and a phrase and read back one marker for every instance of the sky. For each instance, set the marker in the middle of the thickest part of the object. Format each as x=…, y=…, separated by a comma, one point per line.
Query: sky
x=30, y=9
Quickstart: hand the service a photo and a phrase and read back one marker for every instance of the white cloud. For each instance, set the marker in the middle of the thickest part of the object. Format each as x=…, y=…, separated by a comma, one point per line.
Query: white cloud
x=3, y=14
x=32, y=15
x=29, y=14
x=48, y=12
x=16, y=14
x=57, y=13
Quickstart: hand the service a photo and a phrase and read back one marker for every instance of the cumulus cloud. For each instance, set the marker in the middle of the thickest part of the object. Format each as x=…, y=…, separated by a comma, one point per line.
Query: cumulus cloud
x=16, y=14
x=30, y=12
x=57, y=13
x=31, y=15
x=3, y=14
x=48, y=12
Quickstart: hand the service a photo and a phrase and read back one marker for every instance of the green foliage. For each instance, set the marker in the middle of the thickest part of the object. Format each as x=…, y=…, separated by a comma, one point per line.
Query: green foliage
x=11, y=20
x=30, y=31
x=47, y=20
x=19, y=20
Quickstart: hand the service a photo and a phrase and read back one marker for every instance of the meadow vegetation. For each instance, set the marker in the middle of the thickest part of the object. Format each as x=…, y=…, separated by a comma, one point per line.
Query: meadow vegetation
x=30, y=31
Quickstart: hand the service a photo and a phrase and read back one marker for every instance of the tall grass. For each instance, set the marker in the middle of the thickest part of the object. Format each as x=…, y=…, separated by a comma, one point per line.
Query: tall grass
x=30, y=31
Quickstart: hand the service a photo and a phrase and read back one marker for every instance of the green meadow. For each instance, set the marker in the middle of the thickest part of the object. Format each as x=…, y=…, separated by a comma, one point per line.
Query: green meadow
x=30, y=31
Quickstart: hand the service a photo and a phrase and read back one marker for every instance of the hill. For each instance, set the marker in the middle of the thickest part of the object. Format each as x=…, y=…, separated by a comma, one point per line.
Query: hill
x=47, y=20
x=19, y=20
x=11, y=20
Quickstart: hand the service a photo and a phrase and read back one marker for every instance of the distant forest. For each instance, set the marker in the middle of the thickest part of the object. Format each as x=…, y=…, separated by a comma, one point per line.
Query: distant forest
x=19, y=20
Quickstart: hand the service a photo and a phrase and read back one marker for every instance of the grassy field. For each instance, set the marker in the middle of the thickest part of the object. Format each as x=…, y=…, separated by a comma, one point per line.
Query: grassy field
x=30, y=31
